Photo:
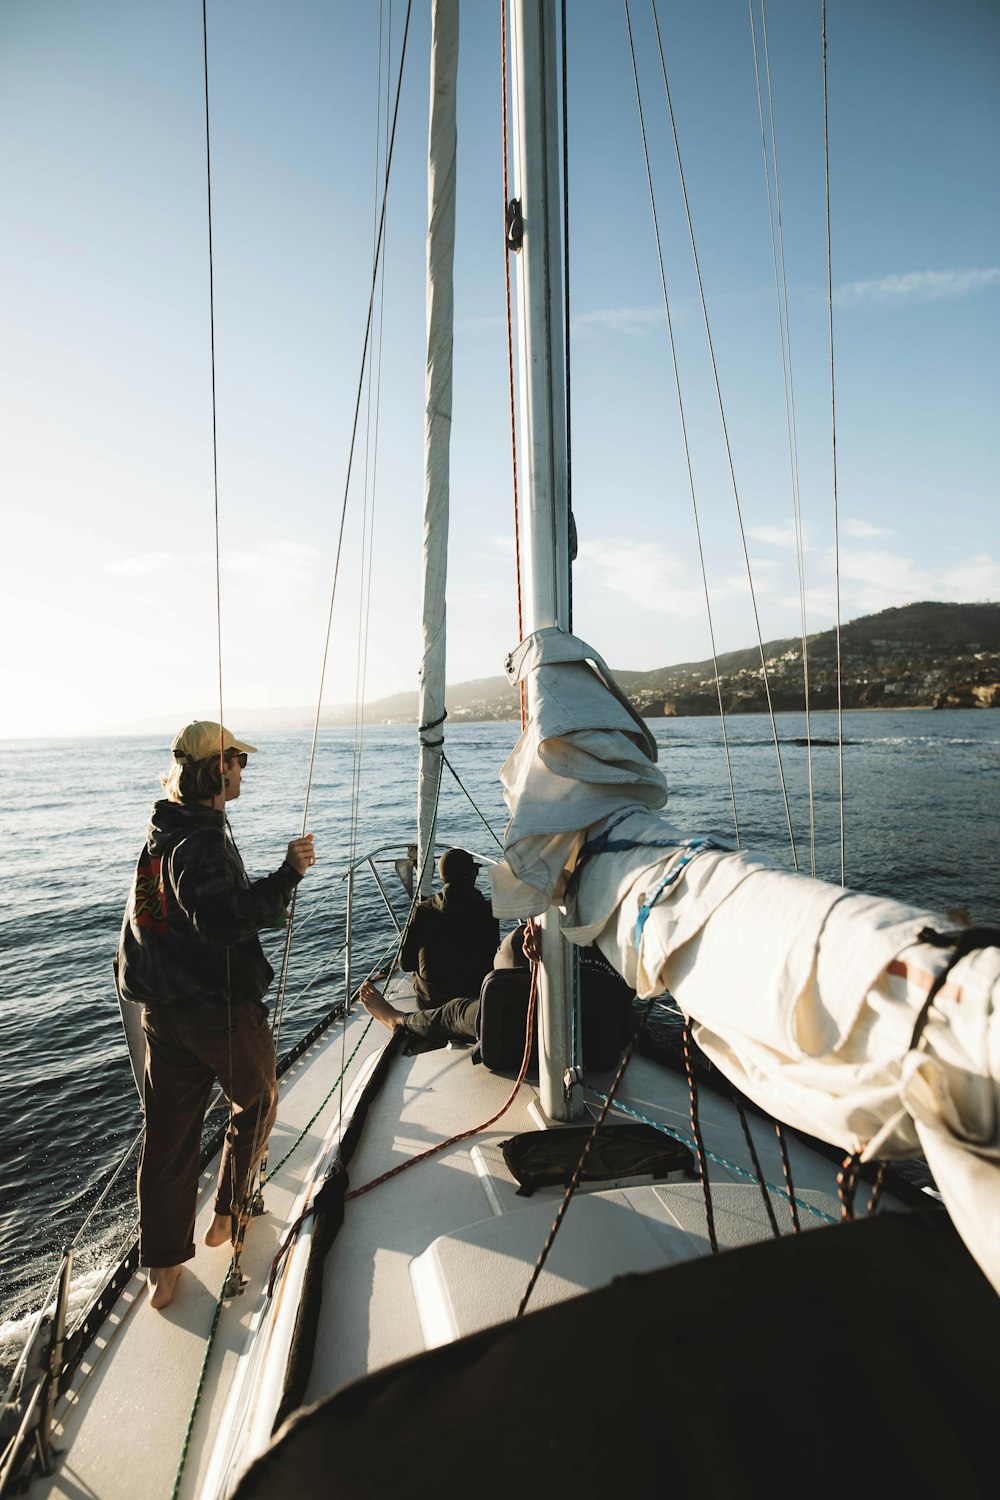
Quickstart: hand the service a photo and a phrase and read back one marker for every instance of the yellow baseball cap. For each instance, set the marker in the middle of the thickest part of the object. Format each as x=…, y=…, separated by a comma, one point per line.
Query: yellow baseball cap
x=201, y=739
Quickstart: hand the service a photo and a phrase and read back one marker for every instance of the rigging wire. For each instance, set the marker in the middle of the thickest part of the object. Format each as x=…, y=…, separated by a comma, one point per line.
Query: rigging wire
x=370, y=463
x=211, y=329
x=218, y=549
x=475, y=806
x=510, y=353
x=684, y=432
x=368, y=520
x=785, y=339
x=725, y=431
x=833, y=426
x=379, y=251
x=282, y=982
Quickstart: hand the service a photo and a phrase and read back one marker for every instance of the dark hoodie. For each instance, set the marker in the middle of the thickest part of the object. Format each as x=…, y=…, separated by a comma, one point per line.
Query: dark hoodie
x=450, y=942
x=189, y=937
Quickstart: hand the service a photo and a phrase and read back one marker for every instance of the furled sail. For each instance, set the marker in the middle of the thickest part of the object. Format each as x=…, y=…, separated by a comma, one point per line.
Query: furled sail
x=811, y=998
x=441, y=167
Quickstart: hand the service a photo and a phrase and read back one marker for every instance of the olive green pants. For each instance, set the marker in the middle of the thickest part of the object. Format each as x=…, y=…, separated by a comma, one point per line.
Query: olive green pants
x=186, y=1051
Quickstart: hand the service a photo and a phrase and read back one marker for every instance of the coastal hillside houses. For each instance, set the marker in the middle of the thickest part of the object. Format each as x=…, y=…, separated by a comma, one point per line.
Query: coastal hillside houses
x=927, y=655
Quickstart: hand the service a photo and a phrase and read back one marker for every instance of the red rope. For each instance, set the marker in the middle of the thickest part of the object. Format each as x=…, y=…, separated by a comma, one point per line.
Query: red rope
x=475, y=1129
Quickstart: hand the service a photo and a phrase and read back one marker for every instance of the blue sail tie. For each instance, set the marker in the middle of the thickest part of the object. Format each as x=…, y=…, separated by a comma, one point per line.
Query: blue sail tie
x=694, y=847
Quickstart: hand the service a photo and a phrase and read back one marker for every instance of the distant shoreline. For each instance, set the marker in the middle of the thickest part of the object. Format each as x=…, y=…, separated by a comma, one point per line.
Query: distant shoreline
x=246, y=721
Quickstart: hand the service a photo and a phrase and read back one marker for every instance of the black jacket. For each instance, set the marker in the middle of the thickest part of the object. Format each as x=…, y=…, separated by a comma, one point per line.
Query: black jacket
x=189, y=936
x=450, y=943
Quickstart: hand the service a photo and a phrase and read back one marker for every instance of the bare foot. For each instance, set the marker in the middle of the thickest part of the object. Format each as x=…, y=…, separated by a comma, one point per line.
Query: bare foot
x=378, y=1006
x=220, y=1231
x=161, y=1284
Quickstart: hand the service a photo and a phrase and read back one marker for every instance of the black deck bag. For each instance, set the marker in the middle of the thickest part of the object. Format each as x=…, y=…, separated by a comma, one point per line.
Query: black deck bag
x=548, y=1158
x=605, y=1019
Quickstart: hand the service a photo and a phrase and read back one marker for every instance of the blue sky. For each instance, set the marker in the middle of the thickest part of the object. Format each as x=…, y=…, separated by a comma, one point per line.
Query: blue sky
x=108, y=599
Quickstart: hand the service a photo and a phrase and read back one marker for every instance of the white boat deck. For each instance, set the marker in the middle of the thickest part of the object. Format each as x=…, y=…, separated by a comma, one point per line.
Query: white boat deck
x=436, y=1252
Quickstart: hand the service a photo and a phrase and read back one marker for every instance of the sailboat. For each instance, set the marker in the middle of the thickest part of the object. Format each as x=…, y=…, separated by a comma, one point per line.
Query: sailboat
x=731, y=1314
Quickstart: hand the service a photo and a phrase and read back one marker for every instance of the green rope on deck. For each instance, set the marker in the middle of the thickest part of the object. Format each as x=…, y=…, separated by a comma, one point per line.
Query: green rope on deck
x=222, y=1294
x=197, y=1395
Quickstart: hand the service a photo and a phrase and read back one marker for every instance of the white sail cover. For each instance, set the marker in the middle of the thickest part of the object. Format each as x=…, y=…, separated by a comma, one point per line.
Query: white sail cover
x=805, y=994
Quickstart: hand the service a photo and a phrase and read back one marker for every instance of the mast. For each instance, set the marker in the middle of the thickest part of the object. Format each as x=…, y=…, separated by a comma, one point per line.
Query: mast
x=441, y=151
x=543, y=460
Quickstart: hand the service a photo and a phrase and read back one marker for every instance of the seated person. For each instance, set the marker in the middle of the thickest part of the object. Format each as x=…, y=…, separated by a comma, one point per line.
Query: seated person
x=457, y=1019
x=605, y=997
x=451, y=938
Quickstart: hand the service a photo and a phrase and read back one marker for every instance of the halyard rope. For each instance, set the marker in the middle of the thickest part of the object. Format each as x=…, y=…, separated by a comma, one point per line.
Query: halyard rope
x=684, y=431
x=379, y=239
x=785, y=340
x=244, y=1209
x=347, y=484
x=218, y=578
x=833, y=443
x=368, y=524
x=725, y=430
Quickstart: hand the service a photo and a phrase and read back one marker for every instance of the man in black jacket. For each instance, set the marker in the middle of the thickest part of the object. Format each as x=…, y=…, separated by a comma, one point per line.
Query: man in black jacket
x=457, y=1019
x=451, y=938
x=190, y=953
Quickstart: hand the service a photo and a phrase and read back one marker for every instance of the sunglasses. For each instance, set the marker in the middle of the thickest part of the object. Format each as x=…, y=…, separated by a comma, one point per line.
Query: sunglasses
x=240, y=755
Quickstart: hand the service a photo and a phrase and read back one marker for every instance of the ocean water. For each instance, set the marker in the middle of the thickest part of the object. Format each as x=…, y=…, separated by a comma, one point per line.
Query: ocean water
x=922, y=824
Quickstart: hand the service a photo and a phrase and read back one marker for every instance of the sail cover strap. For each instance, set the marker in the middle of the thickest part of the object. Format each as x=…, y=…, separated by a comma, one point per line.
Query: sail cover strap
x=693, y=847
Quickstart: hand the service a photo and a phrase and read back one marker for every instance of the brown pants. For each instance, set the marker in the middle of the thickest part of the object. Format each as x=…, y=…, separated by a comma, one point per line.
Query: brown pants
x=186, y=1051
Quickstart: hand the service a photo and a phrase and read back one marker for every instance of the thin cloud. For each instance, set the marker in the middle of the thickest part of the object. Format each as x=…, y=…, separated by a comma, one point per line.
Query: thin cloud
x=634, y=321
x=977, y=578
x=140, y=565
x=644, y=573
x=775, y=536
x=655, y=579
x=863, y=530
x=280, y=562
x=766, y=572
x=877, y=579
x=916, y=286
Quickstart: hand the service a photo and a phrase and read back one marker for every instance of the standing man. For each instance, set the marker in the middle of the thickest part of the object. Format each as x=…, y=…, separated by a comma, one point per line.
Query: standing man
x=189, y=952
x=451, y=938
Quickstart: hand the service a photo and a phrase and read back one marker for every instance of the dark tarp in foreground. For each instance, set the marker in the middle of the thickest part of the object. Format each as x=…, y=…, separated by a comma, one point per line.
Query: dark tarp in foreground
x=859, y=1355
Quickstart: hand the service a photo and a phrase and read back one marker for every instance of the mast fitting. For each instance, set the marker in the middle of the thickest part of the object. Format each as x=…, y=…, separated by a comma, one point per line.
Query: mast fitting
x=514, y=225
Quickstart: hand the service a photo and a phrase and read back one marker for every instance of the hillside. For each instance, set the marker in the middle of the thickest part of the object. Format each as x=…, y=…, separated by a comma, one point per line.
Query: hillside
x=926, y=655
